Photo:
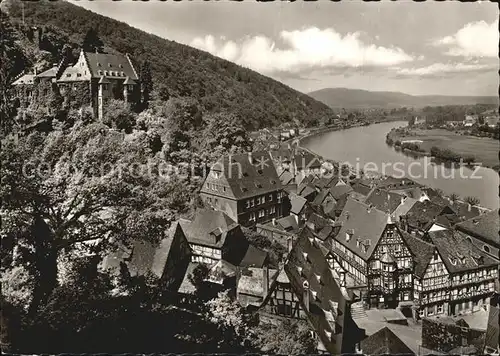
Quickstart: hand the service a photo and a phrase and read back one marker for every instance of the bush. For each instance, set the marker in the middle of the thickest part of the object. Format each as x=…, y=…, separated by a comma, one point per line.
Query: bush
x=118, y=115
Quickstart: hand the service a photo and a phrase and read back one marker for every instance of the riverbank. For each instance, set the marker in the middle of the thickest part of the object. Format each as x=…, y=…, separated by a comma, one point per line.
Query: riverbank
x=447, y=146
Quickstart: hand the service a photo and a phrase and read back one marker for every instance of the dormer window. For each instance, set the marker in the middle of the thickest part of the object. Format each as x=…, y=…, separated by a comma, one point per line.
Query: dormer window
x=453, y=261
x=348, y=236
x=110, y=65
x=99, y=72
x=305, y=285
x=318, y=278
x=314, y=294
x=120, y=65
x=98, y=64
x=304, y=254
x=299, y=269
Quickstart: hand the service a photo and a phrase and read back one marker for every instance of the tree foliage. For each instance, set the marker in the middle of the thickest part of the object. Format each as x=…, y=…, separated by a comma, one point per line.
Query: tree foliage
x=92, y=42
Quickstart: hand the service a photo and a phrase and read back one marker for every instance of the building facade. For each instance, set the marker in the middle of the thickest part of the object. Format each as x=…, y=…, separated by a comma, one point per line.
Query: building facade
x=246, y=187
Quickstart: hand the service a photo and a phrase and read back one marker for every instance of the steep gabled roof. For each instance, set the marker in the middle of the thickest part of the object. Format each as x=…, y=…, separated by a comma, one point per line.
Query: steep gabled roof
x=384, y=200
x=101, y=62
x=247, y=174
x=340, y=190
x=423, y=213
x=454, y=246
x=492, y=330
x=209, y=228
x=422, y=251
x=385, y=342
x=485, y=227
x=362, y=223
x=26, y=79
x=298, y=204
x=307, y=265
x=306, y=160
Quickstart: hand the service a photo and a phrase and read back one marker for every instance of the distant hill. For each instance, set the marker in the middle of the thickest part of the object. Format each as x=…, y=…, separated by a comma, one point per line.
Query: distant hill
x=218, y=85
x=357, y=99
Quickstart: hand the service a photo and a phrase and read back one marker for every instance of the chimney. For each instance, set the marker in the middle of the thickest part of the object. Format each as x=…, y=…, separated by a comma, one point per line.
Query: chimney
x=469, y=206
x=402, y=200
x=265, y=280
x=306, y=295
x=274, y=221
x=290, y=244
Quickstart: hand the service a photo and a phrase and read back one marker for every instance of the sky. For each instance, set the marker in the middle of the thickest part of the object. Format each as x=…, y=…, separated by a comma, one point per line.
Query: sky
x=445, y=48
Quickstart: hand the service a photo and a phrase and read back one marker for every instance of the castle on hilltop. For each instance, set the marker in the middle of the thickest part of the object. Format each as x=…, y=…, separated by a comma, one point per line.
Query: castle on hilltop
x=92, y=80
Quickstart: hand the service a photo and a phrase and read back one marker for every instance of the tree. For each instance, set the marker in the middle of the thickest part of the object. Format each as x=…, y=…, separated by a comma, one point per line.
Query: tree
x=198, y=276
x=286, y=338
x=90, y=183
x=472, y=200
x=228, y=316
x=92, y=42
x=411, y=121
x=118, y=115
x=12, y=63
x=146, y=82
x=454, y=197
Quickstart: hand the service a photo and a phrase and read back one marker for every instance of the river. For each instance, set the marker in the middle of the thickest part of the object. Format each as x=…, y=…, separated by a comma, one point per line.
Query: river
x=364, y=147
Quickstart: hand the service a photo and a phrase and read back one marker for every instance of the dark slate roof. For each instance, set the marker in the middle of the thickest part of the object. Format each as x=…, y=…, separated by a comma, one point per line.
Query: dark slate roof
x=254, y=257
x=102, y=61
x=129, y=80
x=209, y=228
x=422, y=251
x=485, y=227
x=340, y=190
x=308, y=180
x=148, y=257
x=307, y=256
x=307, y=191
x=103, y=80
x=306, y=160
x=385, y=342
x=320, y=197
x=361, y=188
x=454, y=245
x=247, y=174
x=423, y=213
x=364, y=223
x=384, y=200
x=324, y=182
x=26, y=79
x=492, y=330
x=286, y=178
x=464, y=210
x=298, y=204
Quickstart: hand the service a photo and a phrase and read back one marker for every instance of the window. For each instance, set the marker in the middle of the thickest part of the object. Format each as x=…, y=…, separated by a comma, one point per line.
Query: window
x=99, y=72
x=110, y=65
x=486, y=249
x=272, y=210
x=248, y=204
x=78, y=74
x=252, y=202
x=262, y=213
x=252, y=217
x=440, y=309
x=270, y=197
x=120, y=65
x=68, y=75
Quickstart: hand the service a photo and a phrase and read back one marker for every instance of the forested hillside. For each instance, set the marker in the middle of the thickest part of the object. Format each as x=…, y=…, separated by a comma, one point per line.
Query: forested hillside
x=178, y=70
x=357, y=99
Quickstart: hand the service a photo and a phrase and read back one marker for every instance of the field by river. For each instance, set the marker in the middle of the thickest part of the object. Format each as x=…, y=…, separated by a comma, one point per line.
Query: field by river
x=485, y=150
x=366, y=147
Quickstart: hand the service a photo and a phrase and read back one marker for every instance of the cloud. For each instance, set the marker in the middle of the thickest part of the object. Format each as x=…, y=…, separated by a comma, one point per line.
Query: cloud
x=445, y=69
x=476, y=39
x=303, y=50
